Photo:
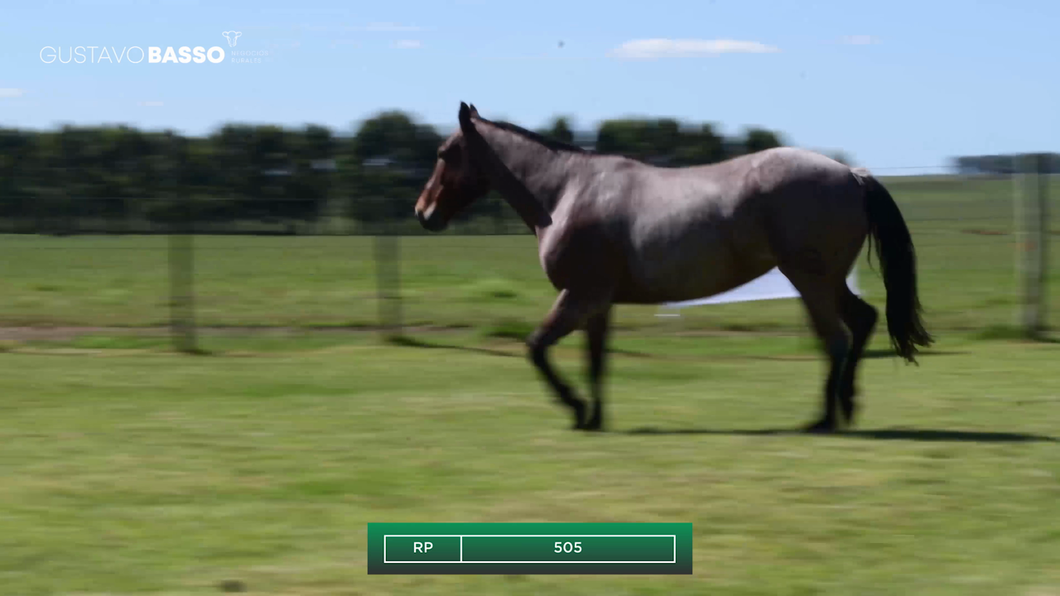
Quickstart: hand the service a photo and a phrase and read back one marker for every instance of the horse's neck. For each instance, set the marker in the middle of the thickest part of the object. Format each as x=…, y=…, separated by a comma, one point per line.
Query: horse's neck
x=543, y=172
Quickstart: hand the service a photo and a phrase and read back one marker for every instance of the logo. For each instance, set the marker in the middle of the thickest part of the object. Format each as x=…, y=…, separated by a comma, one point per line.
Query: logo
x=133, y=54
x=98, y=54
x=244, y=56
x=232, y=37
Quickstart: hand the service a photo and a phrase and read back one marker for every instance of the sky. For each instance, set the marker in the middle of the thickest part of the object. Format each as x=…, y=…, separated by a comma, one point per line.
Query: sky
x=899, y=86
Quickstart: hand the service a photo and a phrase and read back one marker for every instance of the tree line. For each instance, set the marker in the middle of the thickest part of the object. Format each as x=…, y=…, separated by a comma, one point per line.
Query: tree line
x=1000, y=164
x=267, y=173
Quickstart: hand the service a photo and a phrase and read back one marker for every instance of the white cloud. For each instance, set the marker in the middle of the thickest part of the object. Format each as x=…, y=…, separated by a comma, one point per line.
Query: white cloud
x=151, y=104
x=11, y=92
x=678, y=48
x=408, y=44
x=860, y=40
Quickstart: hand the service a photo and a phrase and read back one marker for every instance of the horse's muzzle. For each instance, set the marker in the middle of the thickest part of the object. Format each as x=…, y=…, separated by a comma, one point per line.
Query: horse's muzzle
x=431, y=223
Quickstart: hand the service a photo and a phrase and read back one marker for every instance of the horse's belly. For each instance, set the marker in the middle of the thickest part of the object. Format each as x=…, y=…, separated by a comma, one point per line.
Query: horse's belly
x=694, y=269
x=700, y=283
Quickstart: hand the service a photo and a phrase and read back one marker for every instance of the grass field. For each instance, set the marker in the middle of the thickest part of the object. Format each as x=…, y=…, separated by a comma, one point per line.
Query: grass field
x=135, y=471
x=128, y=469
x=963, y=232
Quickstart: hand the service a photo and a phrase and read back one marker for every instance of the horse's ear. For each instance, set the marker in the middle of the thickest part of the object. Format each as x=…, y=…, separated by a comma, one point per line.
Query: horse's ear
x=474, y=111
x=465, y=117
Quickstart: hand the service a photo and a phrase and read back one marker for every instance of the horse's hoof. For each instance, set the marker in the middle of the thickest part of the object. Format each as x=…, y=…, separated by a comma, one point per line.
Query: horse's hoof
x=849, y=416
x=595, y=422
x=579, y=411
x=849, y=409
x=589, y=426
x=821, y=427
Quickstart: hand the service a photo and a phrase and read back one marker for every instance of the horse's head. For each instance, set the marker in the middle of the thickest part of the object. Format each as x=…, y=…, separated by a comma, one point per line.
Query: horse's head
x=459, y=177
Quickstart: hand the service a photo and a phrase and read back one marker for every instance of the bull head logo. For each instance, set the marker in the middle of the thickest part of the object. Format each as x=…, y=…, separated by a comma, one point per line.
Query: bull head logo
x=232, y=37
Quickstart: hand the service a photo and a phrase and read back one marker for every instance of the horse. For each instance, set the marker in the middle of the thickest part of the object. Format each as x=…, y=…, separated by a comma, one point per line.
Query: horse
x=614, y=230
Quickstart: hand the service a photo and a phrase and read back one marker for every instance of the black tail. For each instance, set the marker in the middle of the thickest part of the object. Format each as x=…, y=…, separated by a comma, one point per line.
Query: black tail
x=894, y=248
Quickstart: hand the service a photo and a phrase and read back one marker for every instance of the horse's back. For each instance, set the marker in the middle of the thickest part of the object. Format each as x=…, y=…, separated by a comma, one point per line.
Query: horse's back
x=689, y=232
x=696, y=232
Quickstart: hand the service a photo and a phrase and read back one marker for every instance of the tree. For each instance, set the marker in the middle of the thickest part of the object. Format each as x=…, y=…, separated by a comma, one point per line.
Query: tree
x=313, y=151
x=388, y=160
x=393, y=136
x=560, y=130
x=17, y=156
x=666, y=141
x=664, y=137
x=117, y=174
x=628, y=137
x=235, y=178
x=759, y=139
x=697, y=147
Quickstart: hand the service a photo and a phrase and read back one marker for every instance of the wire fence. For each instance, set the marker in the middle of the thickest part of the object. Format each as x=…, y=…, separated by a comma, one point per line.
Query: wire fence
x=982, y=243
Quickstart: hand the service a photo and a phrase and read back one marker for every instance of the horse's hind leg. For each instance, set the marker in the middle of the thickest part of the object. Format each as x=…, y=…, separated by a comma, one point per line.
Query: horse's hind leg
x=860, y=317
x=821, y=300
x=567, y=314
x=596, y=330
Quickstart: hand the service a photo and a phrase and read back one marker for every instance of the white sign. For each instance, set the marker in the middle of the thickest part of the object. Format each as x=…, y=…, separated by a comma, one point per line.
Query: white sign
x=773, y=285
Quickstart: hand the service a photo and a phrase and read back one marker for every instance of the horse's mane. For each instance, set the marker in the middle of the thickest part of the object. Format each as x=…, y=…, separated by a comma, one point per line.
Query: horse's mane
x=538, y=138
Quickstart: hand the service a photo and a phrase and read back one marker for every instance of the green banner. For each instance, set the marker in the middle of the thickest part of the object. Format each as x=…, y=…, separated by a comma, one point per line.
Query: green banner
x=527, y=549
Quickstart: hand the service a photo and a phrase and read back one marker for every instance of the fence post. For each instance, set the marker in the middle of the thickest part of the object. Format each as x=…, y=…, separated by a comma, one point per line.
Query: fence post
x=1042, y=231
x=181, y=279
x=388, y=281
x=1031, y=233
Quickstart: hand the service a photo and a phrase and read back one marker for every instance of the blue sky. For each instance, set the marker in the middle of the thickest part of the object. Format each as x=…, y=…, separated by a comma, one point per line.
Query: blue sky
x=894, y=84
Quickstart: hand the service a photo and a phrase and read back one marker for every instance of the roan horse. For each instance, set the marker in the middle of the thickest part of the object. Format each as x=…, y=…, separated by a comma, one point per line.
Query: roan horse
x=613, y=230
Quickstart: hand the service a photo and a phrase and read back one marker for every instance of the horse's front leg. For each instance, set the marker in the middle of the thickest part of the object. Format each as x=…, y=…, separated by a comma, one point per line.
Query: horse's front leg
x=568, y=313
x=596, y=334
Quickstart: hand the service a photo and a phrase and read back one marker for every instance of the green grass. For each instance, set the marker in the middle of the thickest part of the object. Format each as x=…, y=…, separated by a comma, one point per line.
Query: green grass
x=128, y=469
x=962, y=229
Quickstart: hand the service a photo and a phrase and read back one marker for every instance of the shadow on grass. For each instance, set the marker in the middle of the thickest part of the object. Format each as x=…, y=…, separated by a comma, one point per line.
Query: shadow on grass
x=888, y=434
x=888, y=353
x=807, y=354
x=412, y=342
